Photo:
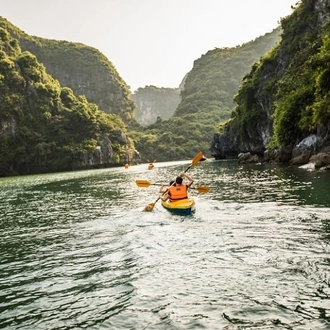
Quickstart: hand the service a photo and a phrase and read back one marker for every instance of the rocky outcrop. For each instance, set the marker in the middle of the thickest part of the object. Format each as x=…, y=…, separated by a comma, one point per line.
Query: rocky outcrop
x=251, y=128
x=302, y=152
x=224, y=145
x=321, y=159
x=82, y=68
x=104, y=155
x=44, y=127
x=247, y=158
x=228, y=144
x=7, y=126
x=153, y=102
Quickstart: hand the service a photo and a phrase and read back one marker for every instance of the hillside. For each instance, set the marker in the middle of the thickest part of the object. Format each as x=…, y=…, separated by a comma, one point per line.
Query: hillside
x=264, y=97
x=206, y=100
x=282, y=109
x=153, y=102
x=82, y=68
x=45, y=127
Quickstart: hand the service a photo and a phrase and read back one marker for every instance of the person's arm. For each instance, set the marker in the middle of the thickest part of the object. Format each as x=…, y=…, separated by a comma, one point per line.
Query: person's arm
x=165, y=197
x=162, y=189
x=189, y=178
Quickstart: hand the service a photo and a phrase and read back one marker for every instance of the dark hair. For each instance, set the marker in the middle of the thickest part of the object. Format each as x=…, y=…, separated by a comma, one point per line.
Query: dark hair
x=171, y=182
x=178, y=180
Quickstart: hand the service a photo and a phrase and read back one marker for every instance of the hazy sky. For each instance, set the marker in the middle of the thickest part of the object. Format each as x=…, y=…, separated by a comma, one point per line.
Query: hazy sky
x=150, y=42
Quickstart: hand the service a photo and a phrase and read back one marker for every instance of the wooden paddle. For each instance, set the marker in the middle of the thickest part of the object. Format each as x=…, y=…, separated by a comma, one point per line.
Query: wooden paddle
x=146, y=184
x=195, y=160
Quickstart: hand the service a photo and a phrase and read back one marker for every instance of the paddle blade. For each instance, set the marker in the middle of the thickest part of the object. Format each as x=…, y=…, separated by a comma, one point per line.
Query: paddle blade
x=203, y=189
x=149, y=207
x=143, y=183
x=197, y=158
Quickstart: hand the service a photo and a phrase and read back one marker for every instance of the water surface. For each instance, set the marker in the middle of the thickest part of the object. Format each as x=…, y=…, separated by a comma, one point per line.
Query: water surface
x=78, y=252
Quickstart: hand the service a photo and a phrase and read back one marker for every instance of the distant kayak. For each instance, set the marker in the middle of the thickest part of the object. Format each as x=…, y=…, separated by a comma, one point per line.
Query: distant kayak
x=181, y=207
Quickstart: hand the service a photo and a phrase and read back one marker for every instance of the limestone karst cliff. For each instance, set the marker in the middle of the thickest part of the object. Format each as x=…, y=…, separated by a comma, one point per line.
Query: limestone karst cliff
x=153, y=102
x=45, y=127
x=282, y=106
x=82, y=68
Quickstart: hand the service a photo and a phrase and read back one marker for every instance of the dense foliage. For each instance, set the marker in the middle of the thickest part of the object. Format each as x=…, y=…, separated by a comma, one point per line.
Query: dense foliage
x=82, y=68
x=206, y=101
x=290, y=84
x=278, y=82
x=302, y=91
x=43, y=126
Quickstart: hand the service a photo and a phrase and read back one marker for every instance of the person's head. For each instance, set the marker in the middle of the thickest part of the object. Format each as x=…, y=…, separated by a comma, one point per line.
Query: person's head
x=178, y=180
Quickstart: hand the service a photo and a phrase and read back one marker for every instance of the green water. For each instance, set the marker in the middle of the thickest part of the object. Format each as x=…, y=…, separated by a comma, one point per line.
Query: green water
x=78, y=252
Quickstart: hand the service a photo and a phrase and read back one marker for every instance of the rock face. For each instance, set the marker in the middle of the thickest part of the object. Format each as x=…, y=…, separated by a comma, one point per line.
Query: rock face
x=225, y=145
x=104, y=155
x=44, y=127
x=7, y=126
x=258, y=132
x=247, y=158
x=82, y=68
x=302, y=152
x=153, y=102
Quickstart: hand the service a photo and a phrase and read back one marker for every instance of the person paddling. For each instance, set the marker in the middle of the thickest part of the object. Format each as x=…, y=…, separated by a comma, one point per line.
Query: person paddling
x=163, y=187
x=179, y=190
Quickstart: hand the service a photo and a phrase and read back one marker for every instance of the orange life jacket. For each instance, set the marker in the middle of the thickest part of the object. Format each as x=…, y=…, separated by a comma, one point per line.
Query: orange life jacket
x=178, y=192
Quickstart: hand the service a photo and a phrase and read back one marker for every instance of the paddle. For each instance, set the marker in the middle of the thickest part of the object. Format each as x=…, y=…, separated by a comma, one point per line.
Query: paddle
x=146, y=184
x=195, y=160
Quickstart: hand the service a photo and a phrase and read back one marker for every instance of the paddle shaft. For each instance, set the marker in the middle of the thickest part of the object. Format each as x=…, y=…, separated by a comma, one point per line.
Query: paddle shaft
x=146, y=183
x=186, y=170
x=195, y=160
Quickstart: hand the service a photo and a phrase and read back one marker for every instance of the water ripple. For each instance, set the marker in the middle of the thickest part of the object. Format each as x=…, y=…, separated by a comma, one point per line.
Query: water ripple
x=77, y=252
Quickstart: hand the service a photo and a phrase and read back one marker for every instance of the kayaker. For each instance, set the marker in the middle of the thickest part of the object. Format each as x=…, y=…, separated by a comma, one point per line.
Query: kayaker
x=179, y=190
x=163, y=187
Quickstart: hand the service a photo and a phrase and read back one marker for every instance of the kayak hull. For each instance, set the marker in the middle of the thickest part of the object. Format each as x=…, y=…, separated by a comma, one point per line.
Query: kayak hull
x=181, y=207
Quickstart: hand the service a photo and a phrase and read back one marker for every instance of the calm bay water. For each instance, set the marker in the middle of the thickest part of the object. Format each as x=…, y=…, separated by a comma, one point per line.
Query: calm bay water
x=78, y=252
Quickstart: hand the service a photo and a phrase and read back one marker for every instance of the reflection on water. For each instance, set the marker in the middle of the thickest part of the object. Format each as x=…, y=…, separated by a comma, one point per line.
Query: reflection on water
x=268, y=183
x=77, y=252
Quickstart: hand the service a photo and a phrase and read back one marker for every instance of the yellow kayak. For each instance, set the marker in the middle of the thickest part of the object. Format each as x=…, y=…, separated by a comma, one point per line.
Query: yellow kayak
x=181, y=207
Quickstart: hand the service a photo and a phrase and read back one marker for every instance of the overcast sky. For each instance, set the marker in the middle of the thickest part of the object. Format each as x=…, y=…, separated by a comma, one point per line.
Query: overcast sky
x=150, y=42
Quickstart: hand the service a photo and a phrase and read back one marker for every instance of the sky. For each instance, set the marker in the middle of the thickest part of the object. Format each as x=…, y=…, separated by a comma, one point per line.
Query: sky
x=149, y=42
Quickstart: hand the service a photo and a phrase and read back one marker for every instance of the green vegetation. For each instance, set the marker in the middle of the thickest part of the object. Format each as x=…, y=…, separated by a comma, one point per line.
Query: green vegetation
x=62, y=102
x=296, y=96
x=45, y=127
x=206, y=101
x=82, y=68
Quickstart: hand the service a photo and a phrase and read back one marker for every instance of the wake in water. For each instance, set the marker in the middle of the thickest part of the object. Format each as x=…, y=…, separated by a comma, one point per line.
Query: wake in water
x=78, y=252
